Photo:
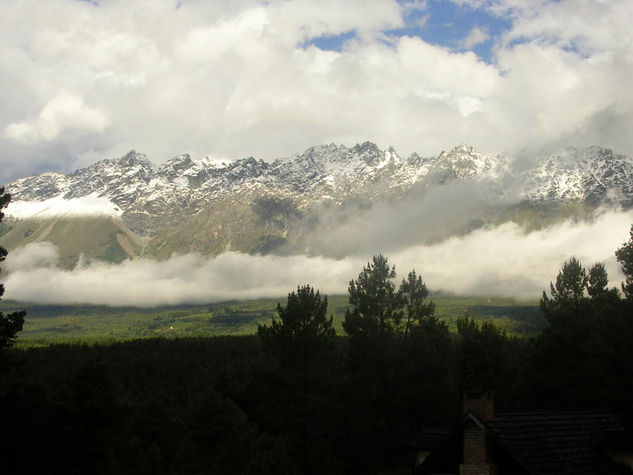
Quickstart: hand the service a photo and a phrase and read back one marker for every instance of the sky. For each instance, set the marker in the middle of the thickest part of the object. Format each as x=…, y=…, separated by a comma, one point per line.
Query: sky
x=85, y=80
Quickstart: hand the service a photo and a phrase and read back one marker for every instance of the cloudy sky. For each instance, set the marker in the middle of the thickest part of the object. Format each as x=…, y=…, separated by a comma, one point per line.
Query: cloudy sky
x=86, y=80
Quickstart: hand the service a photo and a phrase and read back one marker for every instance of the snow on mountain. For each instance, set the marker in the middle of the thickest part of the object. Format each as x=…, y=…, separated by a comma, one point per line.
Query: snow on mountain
x=465, y=162
x=592, y=174
x=39, y=187
x=89, y=205
x=150, y=199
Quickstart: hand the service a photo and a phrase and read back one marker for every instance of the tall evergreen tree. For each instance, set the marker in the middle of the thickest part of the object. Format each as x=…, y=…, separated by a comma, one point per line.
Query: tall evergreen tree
x=301, y=342
x=598, y=285
x=624, y=256
x=483, y=359
x=12, y=323
x=597, y=281
x=568, y=292
x=375, y=300
x=579, y=347
x=413, y=293
x=303, y=329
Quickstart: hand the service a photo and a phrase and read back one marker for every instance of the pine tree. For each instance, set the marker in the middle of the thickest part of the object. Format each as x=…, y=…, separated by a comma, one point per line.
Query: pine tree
x=375, y=300
x=624, y=256
x=569, y=291
x=597, y=281
x=598, y=285
x=12, y=323
x=413, y=293
x=303, y=328
x=301, y=342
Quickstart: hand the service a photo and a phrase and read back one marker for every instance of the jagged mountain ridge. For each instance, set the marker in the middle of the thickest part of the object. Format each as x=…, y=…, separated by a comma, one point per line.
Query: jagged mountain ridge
x=214, y=201
x=133, y=184
x=590, y=174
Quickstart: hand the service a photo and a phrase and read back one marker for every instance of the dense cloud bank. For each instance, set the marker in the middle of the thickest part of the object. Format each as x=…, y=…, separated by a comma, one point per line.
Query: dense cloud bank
x=504, y=260
x=421, y=216
x=82, y=81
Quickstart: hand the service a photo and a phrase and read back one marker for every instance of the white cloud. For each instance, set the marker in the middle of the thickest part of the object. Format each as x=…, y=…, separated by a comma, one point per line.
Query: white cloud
x=497, y=261
x=182, y=279
x=35, y=255
x=592, y=27
x=476, y=36
x=236, y=78
x=508, y=262
x=65, y=112
x=504, y=7
x=415, y=5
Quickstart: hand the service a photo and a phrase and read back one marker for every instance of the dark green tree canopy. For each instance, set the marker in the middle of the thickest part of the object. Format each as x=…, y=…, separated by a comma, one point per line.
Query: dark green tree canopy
x=624, y=256
x=570, y=282
x=375, y=300
x=305, y=314
x=11, y=324
x=303, y=326
x=413, y=294
x=569, y=289
x=301, y=343
x=597, y=281
x=598, y=284
x=576, y=287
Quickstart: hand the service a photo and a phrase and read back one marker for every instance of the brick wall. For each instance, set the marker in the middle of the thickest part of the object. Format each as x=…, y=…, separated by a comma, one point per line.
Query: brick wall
x=474, y=445
x=480, y=403
x=477, y=460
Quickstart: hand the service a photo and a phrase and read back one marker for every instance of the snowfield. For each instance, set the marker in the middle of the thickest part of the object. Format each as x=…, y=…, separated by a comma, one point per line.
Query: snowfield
x=85, y=206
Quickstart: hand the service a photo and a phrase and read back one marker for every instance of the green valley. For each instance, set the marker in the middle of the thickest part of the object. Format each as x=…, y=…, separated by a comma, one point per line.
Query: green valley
x=46, y=324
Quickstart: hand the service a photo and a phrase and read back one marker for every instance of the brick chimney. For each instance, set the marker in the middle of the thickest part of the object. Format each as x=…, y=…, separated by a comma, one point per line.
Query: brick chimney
x=477, y=457
x=480, y=403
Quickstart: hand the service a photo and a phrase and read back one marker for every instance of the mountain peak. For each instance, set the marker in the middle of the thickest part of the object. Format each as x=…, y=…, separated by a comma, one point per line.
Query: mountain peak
x=323, y=149
x=463, y=148
x=177, y=164
x=466, y=162
x=366, y=148
x=369, y=153
x=213, y=202
x=133, y=158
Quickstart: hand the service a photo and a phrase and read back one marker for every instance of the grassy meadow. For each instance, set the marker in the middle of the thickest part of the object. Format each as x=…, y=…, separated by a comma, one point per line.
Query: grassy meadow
x=47, y=324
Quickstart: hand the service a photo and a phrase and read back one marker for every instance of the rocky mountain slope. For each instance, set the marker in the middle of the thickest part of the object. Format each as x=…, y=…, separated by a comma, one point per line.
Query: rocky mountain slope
x=210, y=206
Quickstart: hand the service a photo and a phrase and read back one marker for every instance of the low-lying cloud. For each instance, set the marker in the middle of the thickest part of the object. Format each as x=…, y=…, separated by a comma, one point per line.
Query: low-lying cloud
x=504, y=260
x=183, y=279
x=421, y=216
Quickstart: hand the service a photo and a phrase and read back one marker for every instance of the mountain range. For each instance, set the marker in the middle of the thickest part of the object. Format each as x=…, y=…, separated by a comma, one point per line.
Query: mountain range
x=329, y=200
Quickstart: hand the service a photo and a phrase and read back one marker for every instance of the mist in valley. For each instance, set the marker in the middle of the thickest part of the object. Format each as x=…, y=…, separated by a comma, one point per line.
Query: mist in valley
x=503, y=260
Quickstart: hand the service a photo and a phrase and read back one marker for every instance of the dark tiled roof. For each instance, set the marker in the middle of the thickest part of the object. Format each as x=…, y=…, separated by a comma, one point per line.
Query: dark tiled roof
x=555, y=442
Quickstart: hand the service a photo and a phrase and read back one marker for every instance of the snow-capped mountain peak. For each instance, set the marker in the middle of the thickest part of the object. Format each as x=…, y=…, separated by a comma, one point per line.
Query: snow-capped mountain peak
x=206, y=205
x=466, y=162
x=589, y=174
x=134, y=159
x=151, y=199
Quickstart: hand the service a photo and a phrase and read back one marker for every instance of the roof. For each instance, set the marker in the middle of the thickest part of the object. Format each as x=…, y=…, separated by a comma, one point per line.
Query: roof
x=555, y=442
x=545, y=442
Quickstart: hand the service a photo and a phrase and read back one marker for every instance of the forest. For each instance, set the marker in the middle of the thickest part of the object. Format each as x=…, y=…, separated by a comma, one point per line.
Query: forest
x=296, y=397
